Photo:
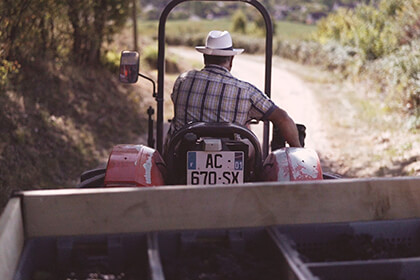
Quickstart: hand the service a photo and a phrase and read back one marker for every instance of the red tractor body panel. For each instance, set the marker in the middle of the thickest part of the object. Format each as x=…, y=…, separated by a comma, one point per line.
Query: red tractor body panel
x=292, y=164
x=134, y=165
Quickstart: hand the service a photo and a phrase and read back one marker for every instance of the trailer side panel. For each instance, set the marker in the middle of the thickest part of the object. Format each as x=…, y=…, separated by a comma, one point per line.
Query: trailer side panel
x=11, y=238
x=119, y=210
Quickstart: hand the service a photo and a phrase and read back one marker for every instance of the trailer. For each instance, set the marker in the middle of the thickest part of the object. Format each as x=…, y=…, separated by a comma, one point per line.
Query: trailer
x=294, y=225
x=139, y=233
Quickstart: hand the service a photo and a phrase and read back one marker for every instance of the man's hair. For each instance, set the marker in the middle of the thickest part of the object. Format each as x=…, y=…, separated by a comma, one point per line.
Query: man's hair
x=215, y=59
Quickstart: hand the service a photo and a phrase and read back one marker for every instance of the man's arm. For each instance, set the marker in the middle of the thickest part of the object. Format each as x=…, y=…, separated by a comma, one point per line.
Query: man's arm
x=286, y=125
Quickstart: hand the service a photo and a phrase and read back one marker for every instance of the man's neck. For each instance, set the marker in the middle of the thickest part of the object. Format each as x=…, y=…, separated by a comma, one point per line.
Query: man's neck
x=225, y=66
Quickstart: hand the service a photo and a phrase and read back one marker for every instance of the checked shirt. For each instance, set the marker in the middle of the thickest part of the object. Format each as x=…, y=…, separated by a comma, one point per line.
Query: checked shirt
x=214, y=95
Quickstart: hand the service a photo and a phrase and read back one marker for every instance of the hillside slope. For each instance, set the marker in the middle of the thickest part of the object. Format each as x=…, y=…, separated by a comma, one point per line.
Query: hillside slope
x=57, y=121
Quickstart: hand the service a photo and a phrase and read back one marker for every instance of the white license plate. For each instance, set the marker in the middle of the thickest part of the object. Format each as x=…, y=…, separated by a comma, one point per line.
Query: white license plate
x=211, y=168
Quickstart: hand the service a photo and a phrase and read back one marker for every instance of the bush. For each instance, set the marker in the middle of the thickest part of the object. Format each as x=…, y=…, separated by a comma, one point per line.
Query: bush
x=239, y=24
x=331, y=56
x=408, y=18
x=111, y=61
x=7, y=69
x=366, y=28
x=186, y=40
x=399, y=76
x=150, y=56
x=251, y=45
x=376, y=43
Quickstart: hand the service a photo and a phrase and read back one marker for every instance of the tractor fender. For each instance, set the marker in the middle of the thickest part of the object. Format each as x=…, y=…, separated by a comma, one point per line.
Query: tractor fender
x=134, y=165
x=292, y=164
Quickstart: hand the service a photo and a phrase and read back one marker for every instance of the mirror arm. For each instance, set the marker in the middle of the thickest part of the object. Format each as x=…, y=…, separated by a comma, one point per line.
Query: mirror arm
x=153, y=82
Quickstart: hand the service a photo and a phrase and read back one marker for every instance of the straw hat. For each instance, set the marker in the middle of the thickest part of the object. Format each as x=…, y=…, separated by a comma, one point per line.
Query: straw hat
x=219, y=43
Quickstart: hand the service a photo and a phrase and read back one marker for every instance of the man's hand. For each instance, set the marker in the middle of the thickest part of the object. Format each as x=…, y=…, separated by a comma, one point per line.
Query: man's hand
x=286, y=125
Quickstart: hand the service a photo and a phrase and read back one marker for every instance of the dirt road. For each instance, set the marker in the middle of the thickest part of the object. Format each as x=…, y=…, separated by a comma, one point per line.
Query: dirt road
x=287, y=91
x=338, y=129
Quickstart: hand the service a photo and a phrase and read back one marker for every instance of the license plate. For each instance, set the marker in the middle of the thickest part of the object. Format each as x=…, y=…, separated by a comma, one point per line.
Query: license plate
x=212, y=168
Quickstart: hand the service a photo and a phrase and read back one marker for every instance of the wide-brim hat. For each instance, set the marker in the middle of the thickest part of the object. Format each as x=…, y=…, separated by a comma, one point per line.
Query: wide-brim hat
x=219, y=43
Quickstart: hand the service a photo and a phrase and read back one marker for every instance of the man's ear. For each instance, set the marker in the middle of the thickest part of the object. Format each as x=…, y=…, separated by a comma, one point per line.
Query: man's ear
x=231, y=62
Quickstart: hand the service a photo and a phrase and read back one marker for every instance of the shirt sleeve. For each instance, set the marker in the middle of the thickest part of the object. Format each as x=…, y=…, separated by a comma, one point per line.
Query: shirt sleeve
x=175, y=89
x=261, y=105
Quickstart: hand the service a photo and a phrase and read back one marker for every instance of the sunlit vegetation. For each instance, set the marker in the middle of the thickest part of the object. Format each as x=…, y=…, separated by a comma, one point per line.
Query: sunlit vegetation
x=61, y=108
x=377, y=44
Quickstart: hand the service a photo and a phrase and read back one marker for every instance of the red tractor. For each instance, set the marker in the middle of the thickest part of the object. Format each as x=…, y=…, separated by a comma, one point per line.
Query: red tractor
x=203, y=153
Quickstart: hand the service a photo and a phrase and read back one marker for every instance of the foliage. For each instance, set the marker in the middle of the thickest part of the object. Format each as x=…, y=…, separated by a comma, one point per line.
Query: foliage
x=239, y=22
x=93, y=22
x=49, y=29
x=111, y=61
x=58, y=119
x=408, y=19
x=298, y=12
x=55, y=126
x=150, y=56
x=7, y=68
x=195, y=34
x=332, y=56
x=28, y=28
x=367, y=28
x=378, y=44
x=399, y=76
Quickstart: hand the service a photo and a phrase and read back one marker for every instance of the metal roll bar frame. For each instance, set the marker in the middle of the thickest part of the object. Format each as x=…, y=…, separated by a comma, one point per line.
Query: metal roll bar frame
x=161, y=65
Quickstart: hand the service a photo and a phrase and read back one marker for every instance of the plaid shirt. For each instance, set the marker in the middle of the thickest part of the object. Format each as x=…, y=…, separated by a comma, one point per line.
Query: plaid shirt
x=214, y=95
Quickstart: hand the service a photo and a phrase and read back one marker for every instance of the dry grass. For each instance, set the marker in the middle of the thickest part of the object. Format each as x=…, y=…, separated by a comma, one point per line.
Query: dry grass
x=366, y=138
x=57, y=122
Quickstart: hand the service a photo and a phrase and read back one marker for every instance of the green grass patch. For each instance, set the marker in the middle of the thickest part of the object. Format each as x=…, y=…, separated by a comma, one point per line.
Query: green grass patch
x=182, y=28
x=286, y=30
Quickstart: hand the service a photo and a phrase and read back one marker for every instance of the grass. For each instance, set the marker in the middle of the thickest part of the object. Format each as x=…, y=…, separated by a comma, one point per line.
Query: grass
x=294, y=31
x=284, y=30
x=367, y=140
x=56, y=124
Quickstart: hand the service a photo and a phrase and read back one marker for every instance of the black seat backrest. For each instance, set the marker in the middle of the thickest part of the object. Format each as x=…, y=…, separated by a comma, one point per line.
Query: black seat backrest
x=188, y=139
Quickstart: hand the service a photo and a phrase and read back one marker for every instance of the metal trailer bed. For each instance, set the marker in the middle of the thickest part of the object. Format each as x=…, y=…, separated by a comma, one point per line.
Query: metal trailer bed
x=149, y=226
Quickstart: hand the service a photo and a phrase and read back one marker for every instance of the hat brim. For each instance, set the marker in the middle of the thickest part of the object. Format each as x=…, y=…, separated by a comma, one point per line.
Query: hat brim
x=217, y=52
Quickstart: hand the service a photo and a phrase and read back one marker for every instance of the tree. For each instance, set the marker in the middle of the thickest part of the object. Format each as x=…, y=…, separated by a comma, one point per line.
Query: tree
x=92, y=23
x=55, y=28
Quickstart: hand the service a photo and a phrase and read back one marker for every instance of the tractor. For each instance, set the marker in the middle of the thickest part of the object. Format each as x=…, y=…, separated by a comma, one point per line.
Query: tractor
x=272, y=217
x=203, y=153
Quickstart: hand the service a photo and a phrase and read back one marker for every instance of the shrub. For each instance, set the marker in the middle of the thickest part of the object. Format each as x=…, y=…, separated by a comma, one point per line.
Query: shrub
x=381, y=44
x=239, y=22
x=399, y=76
x=331, y=56
x=7, y=68
x=111, y=61
x=408, y=18
x=150, y=56
x=367, y=28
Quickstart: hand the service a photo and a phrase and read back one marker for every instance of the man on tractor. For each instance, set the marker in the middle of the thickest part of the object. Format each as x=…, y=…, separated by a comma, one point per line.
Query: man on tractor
x=215, y=95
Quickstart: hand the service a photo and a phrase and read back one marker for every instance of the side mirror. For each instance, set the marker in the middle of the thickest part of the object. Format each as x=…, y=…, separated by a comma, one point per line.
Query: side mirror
x=129, y=67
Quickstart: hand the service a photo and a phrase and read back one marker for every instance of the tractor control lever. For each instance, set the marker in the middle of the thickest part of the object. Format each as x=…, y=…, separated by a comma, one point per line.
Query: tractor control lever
x=150, y=140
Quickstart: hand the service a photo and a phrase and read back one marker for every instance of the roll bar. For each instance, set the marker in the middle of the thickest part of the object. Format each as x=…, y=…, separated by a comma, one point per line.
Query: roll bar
x=161, y=65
